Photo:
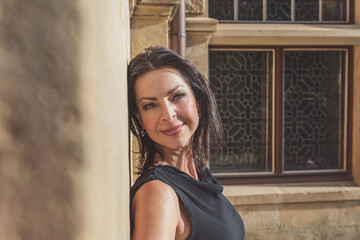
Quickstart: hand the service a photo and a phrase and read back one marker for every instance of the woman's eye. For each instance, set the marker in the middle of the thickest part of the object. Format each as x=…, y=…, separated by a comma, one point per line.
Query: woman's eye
x=148, y=106
x=178, y=96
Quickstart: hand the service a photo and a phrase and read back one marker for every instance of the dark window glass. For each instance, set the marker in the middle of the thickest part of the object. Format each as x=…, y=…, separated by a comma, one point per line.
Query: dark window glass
x=221, y=9
x=240, y=82
x=278, y=10
x=250, y=10
x=307, y=10
x=312, y=109
x=334, y=10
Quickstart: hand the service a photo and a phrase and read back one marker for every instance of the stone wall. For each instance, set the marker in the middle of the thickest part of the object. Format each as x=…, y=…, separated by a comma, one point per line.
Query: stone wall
x=64, y=162
x=299, y=210
x=299, y=221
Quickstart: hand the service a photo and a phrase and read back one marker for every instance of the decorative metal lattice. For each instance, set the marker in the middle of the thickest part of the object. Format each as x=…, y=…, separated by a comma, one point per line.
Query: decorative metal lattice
x=307, y=10
x=278, y=10
x=334, y=10
x=312, y=100
x=250, y=10
x=222, y=9
x=239, y=80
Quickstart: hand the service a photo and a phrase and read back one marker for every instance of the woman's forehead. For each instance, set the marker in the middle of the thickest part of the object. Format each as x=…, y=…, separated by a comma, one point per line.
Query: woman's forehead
x=163, y=79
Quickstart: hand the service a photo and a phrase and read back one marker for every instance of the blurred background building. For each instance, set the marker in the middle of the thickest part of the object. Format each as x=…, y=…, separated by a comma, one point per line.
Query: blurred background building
x=286, y=76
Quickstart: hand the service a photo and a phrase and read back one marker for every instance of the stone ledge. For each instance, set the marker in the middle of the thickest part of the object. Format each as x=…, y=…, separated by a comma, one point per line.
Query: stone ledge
x=201, y=24
x=285, y=34
x=153, y=11
x=292, y=193
x=160, y=2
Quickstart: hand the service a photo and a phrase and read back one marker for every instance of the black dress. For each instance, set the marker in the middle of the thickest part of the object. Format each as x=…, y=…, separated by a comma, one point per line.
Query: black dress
x=212, y=216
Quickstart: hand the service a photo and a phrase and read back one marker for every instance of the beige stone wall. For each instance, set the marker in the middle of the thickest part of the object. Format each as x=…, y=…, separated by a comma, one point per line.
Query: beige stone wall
x=40, y=119
x=195, y=7
x=298, y=210
x=104, y=178
x=150, y=25
x=299, y=221
x=64, y=167
x=199, y=31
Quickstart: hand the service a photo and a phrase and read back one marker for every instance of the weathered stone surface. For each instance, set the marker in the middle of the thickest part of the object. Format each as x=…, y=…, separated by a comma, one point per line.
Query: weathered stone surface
x=195, y=6
x=39, y=119
x=198, y=31
x=150, y=27
x=64, y=169
x=328, y=220
x=160, y=2
x=156, y=32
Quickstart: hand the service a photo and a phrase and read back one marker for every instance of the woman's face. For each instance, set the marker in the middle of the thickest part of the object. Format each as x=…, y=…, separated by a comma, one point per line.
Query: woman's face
x=167, y=108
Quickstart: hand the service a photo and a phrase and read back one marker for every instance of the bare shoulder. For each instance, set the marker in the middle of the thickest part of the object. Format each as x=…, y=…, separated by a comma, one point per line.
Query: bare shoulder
x=156, y=211
x=155, y=190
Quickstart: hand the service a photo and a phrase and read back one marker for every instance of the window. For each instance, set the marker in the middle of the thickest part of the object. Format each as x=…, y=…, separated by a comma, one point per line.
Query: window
x=284, y=111
x=285, y=11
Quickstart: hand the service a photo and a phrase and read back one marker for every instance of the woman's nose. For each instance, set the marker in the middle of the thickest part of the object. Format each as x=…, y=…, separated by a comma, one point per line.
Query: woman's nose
x=169, y=113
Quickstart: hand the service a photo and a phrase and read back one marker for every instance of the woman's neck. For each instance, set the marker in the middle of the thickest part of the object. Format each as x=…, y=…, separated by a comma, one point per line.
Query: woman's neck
x=180, y=159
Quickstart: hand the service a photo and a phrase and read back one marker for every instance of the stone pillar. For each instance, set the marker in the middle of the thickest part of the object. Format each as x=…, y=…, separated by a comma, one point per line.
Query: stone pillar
x=64, y=159
x=198, y=31
x=150, y=24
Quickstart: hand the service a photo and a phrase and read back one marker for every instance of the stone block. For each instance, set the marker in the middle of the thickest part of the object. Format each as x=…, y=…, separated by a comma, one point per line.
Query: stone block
x=260, y=217
x=195, y=7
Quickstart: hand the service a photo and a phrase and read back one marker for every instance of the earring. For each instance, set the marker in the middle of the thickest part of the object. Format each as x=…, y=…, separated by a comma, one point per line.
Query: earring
x=199, y=114
x=142, y=132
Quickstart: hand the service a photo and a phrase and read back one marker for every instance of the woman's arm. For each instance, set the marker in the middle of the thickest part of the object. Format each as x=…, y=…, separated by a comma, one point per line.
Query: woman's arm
x=156, y=211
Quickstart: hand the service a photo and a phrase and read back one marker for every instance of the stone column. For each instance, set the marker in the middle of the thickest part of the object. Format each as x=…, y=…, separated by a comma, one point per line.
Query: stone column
x=198, y=31
x=150, y=24
x=64, y=159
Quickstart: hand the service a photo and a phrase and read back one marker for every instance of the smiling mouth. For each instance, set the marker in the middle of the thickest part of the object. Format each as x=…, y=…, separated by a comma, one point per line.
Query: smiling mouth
x=174, y=130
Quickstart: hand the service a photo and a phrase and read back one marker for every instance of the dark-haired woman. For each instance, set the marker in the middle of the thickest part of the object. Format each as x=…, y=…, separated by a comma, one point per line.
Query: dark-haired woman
x=172, y=112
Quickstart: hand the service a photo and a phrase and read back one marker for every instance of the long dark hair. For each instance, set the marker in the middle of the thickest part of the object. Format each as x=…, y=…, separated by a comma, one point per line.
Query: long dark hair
x=208, y=135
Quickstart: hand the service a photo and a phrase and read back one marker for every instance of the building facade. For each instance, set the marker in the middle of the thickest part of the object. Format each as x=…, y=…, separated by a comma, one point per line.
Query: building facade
x=65, y=154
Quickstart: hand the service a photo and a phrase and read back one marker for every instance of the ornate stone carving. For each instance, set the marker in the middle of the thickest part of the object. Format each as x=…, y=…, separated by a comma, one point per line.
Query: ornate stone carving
x=195, y=6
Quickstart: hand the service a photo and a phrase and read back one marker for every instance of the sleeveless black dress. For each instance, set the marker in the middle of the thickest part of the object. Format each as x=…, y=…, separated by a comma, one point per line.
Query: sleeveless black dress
x=212, y=216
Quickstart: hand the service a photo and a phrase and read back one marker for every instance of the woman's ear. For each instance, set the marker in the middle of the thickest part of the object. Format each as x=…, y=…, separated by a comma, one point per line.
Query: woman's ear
x=140, y=120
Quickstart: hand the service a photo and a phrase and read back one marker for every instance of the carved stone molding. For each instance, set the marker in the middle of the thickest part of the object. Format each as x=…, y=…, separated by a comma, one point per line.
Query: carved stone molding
x=195, y=7
x=202, y=25
x=199, y=31
x=153, y=11
x=150, y=24
x=160, y=2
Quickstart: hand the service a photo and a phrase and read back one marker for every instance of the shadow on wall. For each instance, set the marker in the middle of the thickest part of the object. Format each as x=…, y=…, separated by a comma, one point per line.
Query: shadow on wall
x=39, y=119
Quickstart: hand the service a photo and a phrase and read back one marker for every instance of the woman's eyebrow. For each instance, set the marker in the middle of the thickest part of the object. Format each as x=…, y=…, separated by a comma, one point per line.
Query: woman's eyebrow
x=172, y=90
x=168, y=93
x=147, y=98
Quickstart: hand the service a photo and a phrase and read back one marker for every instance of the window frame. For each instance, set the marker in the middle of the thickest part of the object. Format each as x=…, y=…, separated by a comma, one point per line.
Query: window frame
x=350, y=18
x=275, y=124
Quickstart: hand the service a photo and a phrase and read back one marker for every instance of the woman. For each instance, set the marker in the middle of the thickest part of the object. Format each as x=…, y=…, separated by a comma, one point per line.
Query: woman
x=172, y=112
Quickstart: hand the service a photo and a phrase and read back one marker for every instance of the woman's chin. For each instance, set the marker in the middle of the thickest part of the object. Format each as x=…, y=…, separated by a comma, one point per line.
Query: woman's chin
x=175, y=147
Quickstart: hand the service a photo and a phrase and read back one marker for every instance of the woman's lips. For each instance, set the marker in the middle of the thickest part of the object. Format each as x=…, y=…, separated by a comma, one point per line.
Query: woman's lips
x=174, y=130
